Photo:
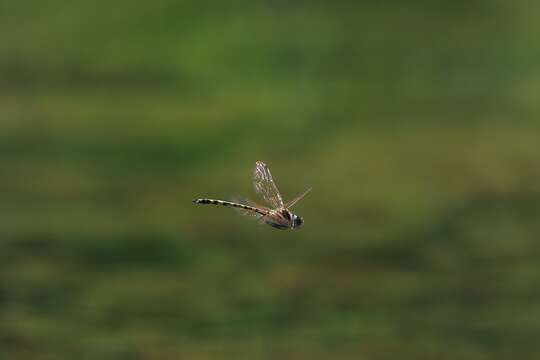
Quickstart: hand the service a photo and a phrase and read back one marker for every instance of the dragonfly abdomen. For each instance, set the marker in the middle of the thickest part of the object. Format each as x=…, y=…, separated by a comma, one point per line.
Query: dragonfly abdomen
x=228, y=203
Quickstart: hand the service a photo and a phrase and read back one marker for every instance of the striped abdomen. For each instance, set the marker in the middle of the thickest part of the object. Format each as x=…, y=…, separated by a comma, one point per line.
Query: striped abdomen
x=229, y=203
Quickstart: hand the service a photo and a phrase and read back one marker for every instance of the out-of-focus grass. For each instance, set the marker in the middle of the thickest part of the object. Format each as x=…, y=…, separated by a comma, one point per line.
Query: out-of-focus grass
x=415, y=124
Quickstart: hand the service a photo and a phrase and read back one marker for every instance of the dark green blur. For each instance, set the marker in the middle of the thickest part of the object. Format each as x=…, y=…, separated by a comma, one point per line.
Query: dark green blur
x=415, y=122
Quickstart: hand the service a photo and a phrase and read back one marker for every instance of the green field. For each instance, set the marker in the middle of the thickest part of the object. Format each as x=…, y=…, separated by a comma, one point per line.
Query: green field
x=416, y=123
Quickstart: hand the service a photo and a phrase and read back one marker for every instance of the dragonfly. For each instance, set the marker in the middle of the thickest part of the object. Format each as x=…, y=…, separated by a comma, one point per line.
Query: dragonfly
x=278, y=215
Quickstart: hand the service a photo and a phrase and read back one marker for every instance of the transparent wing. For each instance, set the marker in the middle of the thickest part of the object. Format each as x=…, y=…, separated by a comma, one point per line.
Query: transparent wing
x=264, y=185
x=248, y=212
x=291, y=203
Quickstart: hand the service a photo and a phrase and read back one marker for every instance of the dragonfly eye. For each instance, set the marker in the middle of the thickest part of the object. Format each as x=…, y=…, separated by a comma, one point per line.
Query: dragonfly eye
x=297, y=222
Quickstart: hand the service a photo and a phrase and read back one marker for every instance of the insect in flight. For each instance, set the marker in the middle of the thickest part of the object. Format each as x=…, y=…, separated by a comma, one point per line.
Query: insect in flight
x=278, y=215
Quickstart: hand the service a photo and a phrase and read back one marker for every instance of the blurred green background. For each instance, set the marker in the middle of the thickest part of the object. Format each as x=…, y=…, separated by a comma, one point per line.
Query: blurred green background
x=415, y=122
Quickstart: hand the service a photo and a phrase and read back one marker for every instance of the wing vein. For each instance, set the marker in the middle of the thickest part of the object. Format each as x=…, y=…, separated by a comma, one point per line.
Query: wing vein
x=265, y=186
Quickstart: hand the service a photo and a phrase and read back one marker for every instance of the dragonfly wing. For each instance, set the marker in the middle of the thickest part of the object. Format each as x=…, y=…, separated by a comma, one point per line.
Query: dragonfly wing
x=291, y=203
x=265, y=186
x=248, y=212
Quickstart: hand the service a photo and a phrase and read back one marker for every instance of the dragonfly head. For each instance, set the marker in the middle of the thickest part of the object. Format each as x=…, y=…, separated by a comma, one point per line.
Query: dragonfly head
x=297, y=221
